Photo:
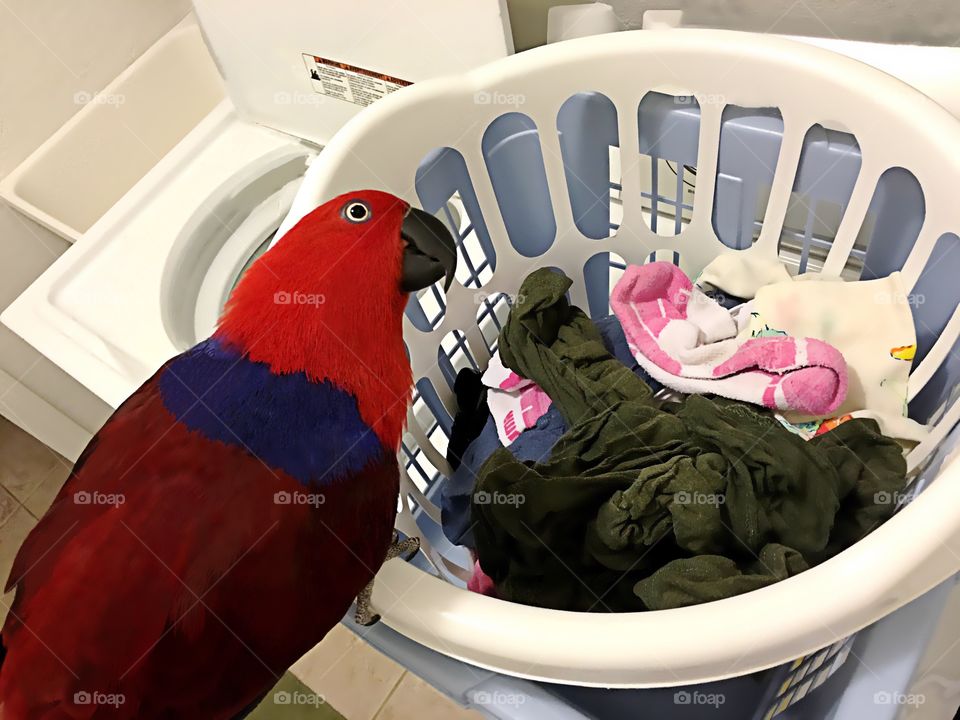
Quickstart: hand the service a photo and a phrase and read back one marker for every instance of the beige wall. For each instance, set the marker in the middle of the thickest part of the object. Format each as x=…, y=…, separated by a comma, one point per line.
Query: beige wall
x=927, y=22
x=50, y=51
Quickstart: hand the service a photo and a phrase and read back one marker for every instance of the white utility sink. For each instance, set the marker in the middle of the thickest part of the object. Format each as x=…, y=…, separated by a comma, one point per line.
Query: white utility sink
x=118, y=135
x=166, y=194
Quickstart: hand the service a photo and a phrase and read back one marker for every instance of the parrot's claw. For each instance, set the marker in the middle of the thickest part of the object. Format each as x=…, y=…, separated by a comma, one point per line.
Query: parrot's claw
x=406, y=549
x=398, y=548
x=364, y=614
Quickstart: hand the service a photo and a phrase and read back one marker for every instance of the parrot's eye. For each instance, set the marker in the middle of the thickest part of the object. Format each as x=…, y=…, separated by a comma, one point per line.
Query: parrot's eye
x=357, y=211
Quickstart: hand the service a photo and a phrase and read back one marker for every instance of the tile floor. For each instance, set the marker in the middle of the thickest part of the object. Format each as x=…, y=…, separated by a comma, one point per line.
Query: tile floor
x=342, y=677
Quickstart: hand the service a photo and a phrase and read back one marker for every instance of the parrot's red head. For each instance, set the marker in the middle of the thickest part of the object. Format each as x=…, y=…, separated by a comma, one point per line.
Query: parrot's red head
x=328, y=300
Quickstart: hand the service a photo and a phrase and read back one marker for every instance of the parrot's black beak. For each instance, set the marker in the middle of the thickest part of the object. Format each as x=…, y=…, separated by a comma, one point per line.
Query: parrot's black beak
x=430, y=252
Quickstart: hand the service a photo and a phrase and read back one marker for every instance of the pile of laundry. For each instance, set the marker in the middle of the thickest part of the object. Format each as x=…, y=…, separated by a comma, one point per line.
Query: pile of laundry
x=688, y=447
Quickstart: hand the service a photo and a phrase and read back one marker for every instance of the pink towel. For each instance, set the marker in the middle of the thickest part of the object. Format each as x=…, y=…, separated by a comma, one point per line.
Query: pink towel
x=480, y=582
x=689, y=343
x=515, y=402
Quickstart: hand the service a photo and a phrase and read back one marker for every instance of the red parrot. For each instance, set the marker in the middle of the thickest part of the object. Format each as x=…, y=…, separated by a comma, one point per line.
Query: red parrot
x=228, y=513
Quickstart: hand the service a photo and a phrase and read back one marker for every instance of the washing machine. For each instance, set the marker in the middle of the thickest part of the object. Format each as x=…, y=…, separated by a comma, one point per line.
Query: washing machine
x=148, y=277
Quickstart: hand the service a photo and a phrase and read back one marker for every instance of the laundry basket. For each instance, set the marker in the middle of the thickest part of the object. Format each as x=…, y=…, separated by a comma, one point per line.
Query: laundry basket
x=676, y=145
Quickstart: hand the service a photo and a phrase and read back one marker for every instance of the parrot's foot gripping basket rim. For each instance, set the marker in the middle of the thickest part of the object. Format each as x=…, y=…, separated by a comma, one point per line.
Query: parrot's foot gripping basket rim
x=677, y=146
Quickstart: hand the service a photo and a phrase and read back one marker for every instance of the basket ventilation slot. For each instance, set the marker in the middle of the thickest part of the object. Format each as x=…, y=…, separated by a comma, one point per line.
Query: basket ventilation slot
x=590, y=147
x=669, y=132
x=829, y=165
x=511, y=150
x=750, y=141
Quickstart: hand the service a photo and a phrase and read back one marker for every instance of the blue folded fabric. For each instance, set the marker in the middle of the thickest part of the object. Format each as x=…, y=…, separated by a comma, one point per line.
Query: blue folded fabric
x=534, y=444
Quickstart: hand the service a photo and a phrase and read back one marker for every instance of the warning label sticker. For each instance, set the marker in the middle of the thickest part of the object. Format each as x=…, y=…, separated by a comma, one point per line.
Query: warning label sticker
x=353, y=84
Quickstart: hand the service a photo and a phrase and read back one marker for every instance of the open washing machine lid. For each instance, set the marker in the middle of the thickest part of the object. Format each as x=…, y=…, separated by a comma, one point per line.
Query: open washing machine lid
x=306, y=68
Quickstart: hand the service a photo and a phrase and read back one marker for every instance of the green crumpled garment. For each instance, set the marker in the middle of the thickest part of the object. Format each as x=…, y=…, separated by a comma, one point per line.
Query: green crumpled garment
x=642, y=507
